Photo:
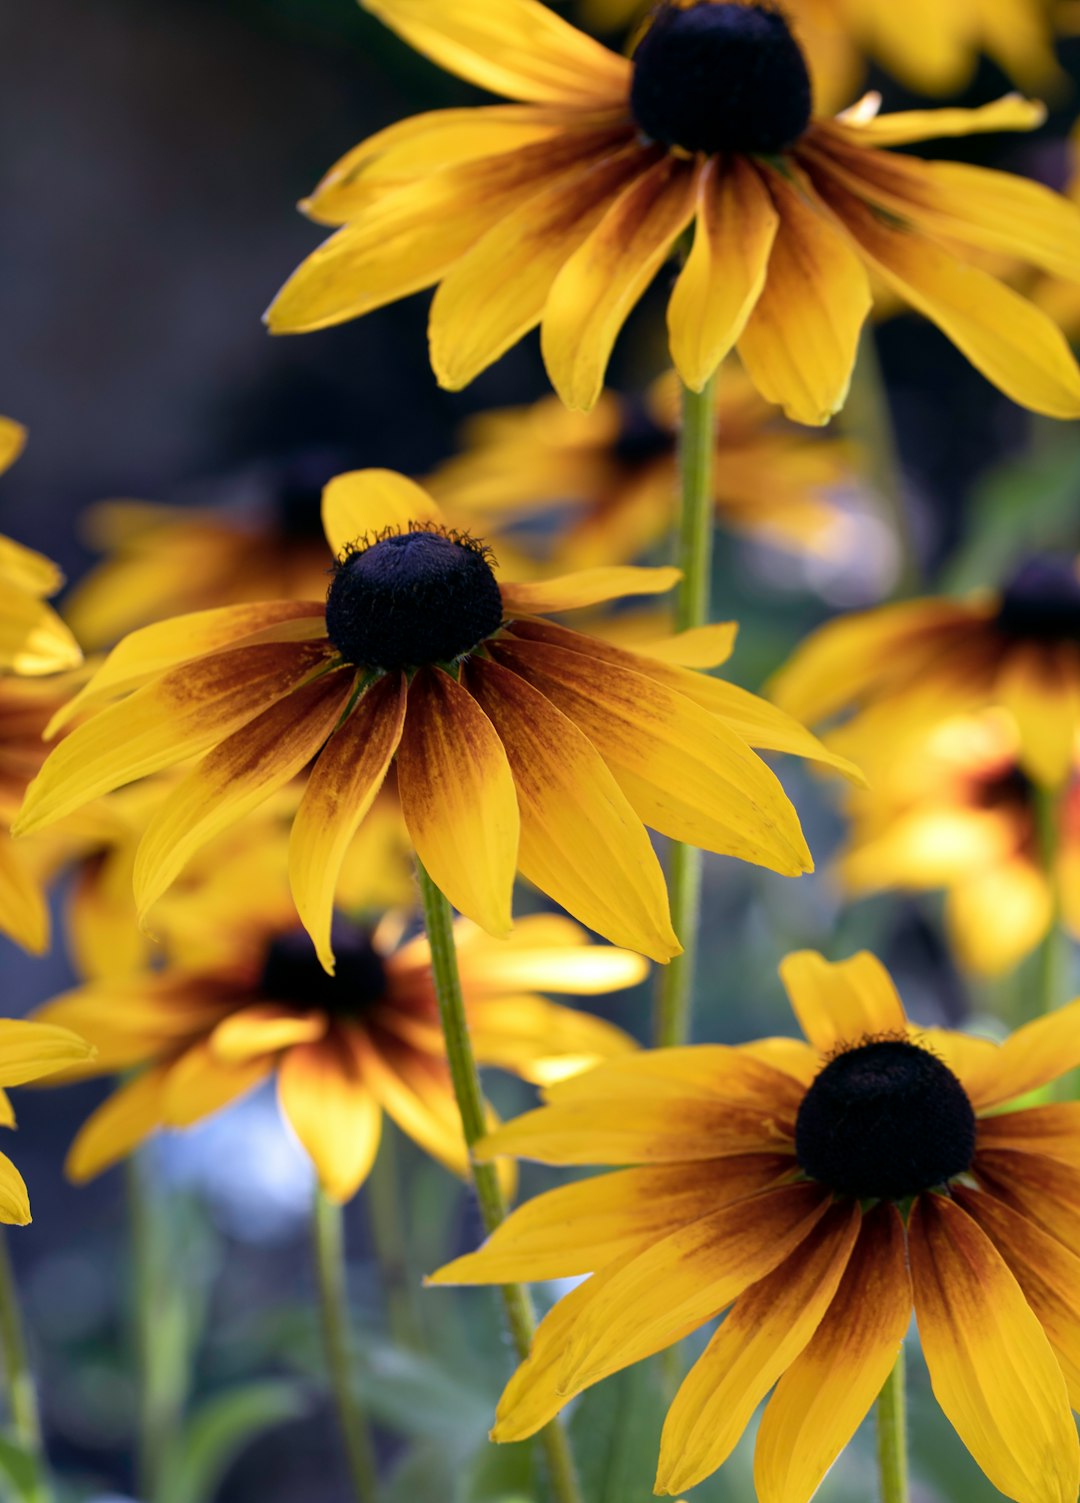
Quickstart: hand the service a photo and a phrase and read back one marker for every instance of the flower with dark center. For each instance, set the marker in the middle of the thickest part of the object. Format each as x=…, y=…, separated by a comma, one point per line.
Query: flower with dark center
x=709, y=1211
x=291, y=971
x=721, y=77
x=561, y=210
x=1041, y=602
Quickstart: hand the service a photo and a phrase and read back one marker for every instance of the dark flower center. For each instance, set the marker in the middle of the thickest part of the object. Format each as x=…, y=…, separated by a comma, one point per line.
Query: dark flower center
x=291, y=972
x=1042, y=601
x=411, y=599
x=721, y=76
x=641, y=438
x=883, y=1121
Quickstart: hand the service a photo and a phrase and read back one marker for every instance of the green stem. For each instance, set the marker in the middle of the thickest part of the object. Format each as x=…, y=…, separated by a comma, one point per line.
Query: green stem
x=391, y=1244
x=329, y=1242
x=892, y=1436
x=21, y=1393
x=160, y=1341
x=694, y=548
x=868, y=419
x=1051, y=982
x=520, y=1315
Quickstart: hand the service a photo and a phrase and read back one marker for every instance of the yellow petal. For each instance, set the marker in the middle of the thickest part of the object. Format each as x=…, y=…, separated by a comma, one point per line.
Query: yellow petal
x=24, y=914
x=1044, y=1190
x=998, y=915
x=905, y=127
x=333, y=1113
x=1040, y=687
x=766, y=1330
x=823, y=1397
x=340, y=790
x=1050, y=1130
x=725, y=270
x=800, y=342
x=700, y=647
x=265, y=1028
x=102, y=933
x=840, y=1003
x=1029, y=1058
x=519, y=48
x=417, y=1093
x=458, y=798
x=7, y=1111
x=588, y=587
x=14, y=1200
x=541, y=1041
x=199, y=1084
x=33, y=639
x=602, y=281
x=992, y=1368
x=12, y=442
x=365, y=502
x=25, y=570
x=30, y=1050
x=121, y=1123
x=540, y=957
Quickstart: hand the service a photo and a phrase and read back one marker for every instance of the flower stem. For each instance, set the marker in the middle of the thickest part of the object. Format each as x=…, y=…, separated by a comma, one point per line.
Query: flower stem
x=520, y=1315
x=868, y=419
x=329, y=1242
x=1052, y=981
x=21, y=1393
x=694, y=549
x=391, y=1244
x=160, y=1341
x=892, y=1436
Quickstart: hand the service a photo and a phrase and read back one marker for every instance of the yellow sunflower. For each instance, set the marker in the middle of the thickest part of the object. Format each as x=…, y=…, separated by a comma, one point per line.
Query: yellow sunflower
x=33, y=639
x=814, y=1191
x=561, y=209
x=344, y=1049
x=29, y=1051
x=902, y=667
x=957, y=811
x=517, y=743
x=611, y=476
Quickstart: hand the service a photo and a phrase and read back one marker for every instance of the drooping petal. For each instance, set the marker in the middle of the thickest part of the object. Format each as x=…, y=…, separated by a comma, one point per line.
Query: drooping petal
x=840, y=1003
x=458, y=798
x=1031, y=1057
x=340, y=790
x=599, y=285
x=29, y=1050
x=333, y=1112
x=363, y=503
x=236, y=777
x=820, y=1401
x=725, y=270
x=14, y=1199
x=766, y=1330
x=265, y=1028
x=992, y=1368
x=120, y=1124
x=905, y=127
x=800, y=342
x=575, y=819
x=587, y=587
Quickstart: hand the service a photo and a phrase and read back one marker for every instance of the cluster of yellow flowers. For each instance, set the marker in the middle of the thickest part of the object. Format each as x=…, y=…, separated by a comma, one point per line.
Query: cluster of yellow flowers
x=255, y=773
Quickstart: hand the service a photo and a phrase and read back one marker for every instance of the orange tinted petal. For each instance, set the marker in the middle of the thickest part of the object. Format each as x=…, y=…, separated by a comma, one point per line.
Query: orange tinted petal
x=332, y=1111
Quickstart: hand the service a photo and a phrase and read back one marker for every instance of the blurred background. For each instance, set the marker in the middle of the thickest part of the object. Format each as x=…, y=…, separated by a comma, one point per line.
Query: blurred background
x=152, y=158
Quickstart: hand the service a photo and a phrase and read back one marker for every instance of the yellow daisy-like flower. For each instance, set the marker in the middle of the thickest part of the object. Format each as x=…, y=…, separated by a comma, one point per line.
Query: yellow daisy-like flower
x=344, y=1049
x=814, y=1191
x=518, y=744
x=561, y=209
x=957, y=811
x=29, y=1051
x=905, y=667
x=613, y=474
x=33, y=639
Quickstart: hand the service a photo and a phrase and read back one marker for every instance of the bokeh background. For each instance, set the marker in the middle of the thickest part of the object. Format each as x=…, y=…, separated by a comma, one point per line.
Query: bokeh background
x=151, y=159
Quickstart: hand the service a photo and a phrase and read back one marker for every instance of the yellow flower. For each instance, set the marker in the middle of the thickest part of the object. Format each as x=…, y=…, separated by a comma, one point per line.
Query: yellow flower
x=905, y=667
x=29, y=1051
x=614, y=474
x=518, y=744
x=814, y=1191
x=343, y=1049
x=33, y=639
x=560, y=210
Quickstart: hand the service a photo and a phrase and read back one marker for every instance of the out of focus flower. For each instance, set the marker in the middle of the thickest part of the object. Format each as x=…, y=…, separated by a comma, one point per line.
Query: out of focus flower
x=518, y=744
x=813, y=1191
x=606, y=483
x=343, y=1048
x=903, y=667
x=29, y=1051
x=957, y=811
x=33, y=639
x=559, y=211
x=1061, y=299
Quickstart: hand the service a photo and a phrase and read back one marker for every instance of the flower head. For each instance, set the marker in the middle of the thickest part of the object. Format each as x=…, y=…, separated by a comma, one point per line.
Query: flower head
x=814, y=1192
x=33, y=639
x=561, y=209
x=517, y=744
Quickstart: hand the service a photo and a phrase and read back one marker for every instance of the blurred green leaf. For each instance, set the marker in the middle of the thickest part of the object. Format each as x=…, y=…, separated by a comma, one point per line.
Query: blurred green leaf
x=501, y=1474
x=219, y=1430
x=615, y=1431
x=418, y=1395
x=17, y=1468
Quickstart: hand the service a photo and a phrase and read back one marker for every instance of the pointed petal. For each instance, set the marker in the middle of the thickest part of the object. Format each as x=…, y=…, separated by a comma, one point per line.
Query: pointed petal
x=700, y=647
x=333, y=1112
x=24, y=914
x=840, y=1003
x=33, y=639
x=14, y=1199
x=417, y=1093
x=265, y=1028
x=12, y=442
x=1029, y=1058
x=588, y=587
x=7, y=1111
x=30, y=1050
x=543, y=957
x=120, y=1124
x=362, y=503
x=905, y=127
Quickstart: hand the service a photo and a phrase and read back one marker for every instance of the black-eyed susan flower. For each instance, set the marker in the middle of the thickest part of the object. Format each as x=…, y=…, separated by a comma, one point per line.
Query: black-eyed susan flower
x=902, y=667
x=344, y=1049
x=814, y=1192
x=559, y=210
x=517, y=743
x=957, y=811
x=33, y=639
x=29, y=1051
x=610, y=477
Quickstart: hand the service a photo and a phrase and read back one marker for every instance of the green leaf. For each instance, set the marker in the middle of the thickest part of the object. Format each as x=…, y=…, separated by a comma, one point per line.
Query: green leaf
x=615, y=1431
x=417, y=1395
x=219, y=1430
x=19, y=1468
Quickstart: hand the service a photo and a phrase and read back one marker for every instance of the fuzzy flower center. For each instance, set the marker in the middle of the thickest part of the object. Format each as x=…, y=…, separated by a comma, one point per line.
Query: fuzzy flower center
x=292, y=974
x=412, y=598
x=721, y=76
x=641, y=439
x=883, y=1121
x=1042, y=602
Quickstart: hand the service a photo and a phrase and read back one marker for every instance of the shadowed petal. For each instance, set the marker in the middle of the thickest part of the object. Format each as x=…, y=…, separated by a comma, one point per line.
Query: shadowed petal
x=121, y=1123
x=1053, y=1131
x=264, y=1028
x=586, y=587
x=29, y=1050
x=333, y=1112
x=24, y=914
x=14, y=1199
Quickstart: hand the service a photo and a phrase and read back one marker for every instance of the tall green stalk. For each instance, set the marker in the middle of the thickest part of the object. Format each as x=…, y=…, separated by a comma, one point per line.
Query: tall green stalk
x=161, y=1338
x=867, y=418
x=520, y=1315
x=329, y=1241
x=892, y=1436
x=694, y=549
x=21, y=1393
x=1052, y=982
x=391, y=1244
